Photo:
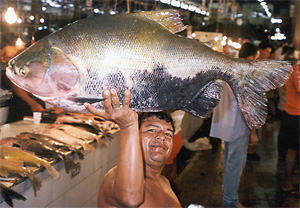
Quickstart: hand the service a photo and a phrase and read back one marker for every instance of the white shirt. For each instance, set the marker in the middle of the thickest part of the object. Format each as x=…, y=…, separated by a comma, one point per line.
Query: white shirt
x=227, y=121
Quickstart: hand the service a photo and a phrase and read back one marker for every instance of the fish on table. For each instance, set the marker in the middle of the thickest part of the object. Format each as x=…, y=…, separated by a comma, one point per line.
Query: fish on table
x=79, y=120
x=17, y=155
x=8, y=168
x=60, y=147
x=80, y=133
x=141, y=52
x=39, y=149
x=30, y=146
x=64, y=137
x=9, y=194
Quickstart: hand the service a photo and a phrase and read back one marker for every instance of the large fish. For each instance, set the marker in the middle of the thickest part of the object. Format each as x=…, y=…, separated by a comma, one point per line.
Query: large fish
x=140, y=52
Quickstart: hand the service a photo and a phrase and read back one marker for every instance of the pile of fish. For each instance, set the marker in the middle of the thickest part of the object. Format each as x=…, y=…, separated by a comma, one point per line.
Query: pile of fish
x=26, y=153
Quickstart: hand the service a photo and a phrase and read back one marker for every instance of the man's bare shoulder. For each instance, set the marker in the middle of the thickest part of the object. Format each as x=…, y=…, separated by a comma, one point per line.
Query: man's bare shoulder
x=105, y=199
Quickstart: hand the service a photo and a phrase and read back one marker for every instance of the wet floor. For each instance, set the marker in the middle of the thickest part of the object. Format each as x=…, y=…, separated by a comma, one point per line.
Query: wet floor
x=200, y=174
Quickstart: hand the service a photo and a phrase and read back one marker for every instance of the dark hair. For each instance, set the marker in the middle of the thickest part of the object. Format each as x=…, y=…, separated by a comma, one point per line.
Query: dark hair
x=160, y=115
x=247, y=49
x=39, y=34
x=264, y=45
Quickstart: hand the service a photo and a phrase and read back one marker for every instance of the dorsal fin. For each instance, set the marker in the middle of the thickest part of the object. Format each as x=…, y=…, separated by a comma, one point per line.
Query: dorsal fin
x=168, y=18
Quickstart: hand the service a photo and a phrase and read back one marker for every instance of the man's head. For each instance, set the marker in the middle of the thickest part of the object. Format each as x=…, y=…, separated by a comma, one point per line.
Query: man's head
x=264, y=50
x=156, y=136
x=161, y=115
x=248, y=51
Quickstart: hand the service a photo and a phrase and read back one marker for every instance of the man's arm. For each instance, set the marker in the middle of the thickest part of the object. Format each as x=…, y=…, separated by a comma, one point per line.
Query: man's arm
x=34, y=106
x=127, y=184
x=253, y=137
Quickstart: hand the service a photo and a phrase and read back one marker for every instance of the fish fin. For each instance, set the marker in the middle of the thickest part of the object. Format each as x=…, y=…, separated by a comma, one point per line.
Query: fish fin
x=69, y=164
x=209, y=97
x=88, y=147
x=80, y=154
x=52, y=171
x=255, y=79
x=168, y=18
x=35, y=181
x=8, y=194
x=100, y=141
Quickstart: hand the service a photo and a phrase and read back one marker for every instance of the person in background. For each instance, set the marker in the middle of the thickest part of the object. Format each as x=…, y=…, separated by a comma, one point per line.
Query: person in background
x=274, y=53
x=146, y=142
x=23, y=103
x=229, y=125
x=264, y=50
x=11, y=50
x=8, y=52
x=282, y=144
x=250, y=51
x=290, y=125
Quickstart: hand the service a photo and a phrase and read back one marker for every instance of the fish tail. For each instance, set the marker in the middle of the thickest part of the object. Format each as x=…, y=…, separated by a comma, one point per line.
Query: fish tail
x=36, y=182
x=8, y=194
x=88, y=147
x=52, y=171
x=69, y=164
x=255, y=79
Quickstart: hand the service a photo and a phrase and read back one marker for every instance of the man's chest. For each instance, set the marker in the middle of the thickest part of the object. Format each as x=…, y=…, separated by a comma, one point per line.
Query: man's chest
x=159, y=195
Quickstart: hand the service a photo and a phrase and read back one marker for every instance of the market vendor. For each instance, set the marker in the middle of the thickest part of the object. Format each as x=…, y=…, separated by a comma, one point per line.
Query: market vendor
x=145, y=144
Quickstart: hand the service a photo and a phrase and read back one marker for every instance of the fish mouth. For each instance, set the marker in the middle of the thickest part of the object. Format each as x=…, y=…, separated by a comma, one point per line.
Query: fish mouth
x=50, y=77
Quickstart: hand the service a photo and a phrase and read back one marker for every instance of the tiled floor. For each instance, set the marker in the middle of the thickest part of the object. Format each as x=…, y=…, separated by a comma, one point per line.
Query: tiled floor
x=201, y=177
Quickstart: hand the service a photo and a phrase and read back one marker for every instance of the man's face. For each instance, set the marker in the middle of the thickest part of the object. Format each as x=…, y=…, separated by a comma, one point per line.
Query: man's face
x=156, y=139
x=265, y=54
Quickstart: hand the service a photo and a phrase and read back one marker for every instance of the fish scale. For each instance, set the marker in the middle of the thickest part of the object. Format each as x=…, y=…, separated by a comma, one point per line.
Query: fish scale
x=142, y=53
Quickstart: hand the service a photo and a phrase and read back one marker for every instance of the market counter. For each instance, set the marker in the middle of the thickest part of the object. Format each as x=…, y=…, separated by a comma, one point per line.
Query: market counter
x=78, y=189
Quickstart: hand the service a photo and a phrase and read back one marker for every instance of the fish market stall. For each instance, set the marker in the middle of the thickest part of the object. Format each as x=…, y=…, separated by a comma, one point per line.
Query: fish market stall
x=77, y=188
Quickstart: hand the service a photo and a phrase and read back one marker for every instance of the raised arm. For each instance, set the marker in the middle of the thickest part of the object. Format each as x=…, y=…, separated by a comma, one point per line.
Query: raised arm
x=127, y=182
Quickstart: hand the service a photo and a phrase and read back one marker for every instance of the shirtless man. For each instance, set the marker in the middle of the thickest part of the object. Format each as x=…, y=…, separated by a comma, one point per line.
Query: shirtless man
x=145, y=144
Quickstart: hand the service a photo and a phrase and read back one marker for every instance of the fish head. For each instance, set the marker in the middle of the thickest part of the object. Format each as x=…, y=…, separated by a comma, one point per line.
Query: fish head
x=44, y=70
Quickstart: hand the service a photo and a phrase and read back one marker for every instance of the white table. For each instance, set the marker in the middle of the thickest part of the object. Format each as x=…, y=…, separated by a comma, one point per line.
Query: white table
x=79, y=191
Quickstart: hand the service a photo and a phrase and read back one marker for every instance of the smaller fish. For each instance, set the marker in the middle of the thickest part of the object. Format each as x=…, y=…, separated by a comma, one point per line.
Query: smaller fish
x=62, y=136
x=12, y=168
x=78, y=132
x=77, y=119
x=30, y=146
x=39, y=149
x=9, y=194
x=59, y=146
x=16, y=155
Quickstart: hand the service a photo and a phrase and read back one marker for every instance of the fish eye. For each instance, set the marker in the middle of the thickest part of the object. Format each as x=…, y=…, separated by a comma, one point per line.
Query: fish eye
x=23, y=71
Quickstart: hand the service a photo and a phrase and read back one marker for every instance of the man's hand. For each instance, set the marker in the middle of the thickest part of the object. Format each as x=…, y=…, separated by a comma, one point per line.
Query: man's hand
x=36, y=107
x=123, y=115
